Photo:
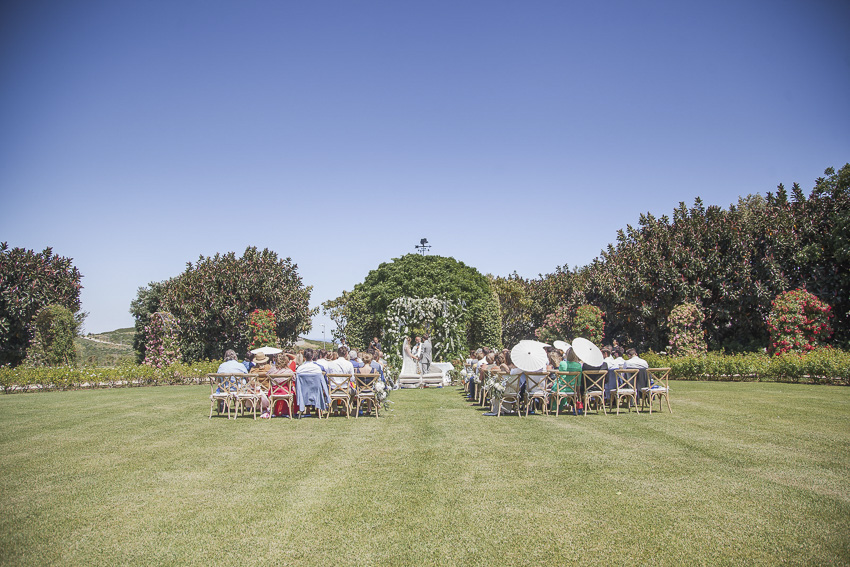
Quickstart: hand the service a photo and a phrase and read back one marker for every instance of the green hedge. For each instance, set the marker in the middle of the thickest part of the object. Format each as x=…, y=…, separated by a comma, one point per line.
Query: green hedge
x=23, y=379
x=821, y=366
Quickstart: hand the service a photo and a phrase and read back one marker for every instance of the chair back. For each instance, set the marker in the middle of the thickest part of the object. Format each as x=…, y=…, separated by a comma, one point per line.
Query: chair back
x=626, y=378
x=224, y=382
x=281, y=386
x=536, y=383
x=338, y=385
x=659, y=377
x=594, y=381
x=365, y=383
x=566, y=382
x=512, y=386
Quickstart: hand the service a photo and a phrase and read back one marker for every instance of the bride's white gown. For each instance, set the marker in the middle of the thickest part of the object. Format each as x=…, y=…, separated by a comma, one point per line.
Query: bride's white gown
x=408, y=365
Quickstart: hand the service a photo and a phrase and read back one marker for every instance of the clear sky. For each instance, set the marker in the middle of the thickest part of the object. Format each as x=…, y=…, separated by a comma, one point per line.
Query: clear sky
x=514, y=135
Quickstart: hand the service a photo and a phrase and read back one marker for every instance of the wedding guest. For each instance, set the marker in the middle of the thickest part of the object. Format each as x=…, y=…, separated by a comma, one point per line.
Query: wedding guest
x=617, y=353
x=366, y=367
x=376, y=365
x=231, y=364
x=356, y=362
x=344, y=364
x=278, y=384
x=570, y=364
x=248, y=363
x=322, y=359
x=608, y=359
x=634, y=360
x=262, y=365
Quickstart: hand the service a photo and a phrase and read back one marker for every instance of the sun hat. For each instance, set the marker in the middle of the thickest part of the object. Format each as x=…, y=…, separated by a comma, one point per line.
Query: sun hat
x=260, y=358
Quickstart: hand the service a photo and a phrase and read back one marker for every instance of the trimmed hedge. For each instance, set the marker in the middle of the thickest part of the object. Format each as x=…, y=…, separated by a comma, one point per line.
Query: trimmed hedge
x=821, y=366
x=22, y=379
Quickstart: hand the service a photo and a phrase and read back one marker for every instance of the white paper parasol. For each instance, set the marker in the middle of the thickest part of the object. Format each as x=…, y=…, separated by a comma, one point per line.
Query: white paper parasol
x=529, y=356
x=587, y=352
x=562, y=346
x=267, y=350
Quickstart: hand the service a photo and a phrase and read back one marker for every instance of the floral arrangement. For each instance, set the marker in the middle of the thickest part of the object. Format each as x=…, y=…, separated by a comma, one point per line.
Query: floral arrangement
x=261, y=325
x=162, y=346
x=798, y=322
x=382, y=394
x=687, y=337
x=494, y=386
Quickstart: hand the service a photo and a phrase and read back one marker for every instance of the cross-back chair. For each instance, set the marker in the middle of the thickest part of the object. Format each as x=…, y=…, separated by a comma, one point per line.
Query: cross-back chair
x=282, y=387
x=511, y=393
x=364, y=391
x=248, y=393
x=657, y=387
x=625, y=387
x=222, y=390
x=340, y=391
x=565, y=387
x=594, y=389
x=537, y=389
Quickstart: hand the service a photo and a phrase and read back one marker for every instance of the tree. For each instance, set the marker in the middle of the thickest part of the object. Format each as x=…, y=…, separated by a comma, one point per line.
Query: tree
x=516, y=308
x=213, y=299
x=147, y=302
x=30, y=281
x=55, y=328
x=485, y=327
x=414, y=276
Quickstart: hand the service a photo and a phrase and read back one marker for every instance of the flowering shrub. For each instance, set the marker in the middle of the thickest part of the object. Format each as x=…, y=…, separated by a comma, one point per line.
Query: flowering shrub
x=687, y=337
x=798, y=322
x=261, y=325
x=53, y=344
x=556, y=326
x=588, y=323
x=162, y=345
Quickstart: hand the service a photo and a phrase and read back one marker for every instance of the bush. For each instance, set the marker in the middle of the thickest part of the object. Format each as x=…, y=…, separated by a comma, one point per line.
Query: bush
x=588, y=323
x=798, y=322
x=53, y=344
x=30, y=281
x=213, y=299
x=687, y=337
x=162, y=347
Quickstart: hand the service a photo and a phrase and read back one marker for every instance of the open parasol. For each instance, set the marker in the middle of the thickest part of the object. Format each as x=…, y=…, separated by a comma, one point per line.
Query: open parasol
x=529, y=356
x=562, y=346
x=267, y=350
x=587, y=352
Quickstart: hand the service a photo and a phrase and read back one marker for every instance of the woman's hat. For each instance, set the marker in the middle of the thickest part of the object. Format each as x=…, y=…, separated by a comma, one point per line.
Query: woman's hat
x=260, y=358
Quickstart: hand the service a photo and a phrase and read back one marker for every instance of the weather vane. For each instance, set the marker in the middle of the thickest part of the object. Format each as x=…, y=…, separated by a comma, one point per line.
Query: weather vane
x=423, y=246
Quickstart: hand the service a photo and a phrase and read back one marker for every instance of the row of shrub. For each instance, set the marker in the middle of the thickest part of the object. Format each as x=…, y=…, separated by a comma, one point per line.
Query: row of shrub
x=27, y=379
x=820, y=366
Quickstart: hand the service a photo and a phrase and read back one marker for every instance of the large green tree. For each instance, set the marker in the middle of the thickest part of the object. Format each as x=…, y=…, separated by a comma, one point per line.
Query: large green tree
x=30, y=281
x=411, y=275
x=214, y=297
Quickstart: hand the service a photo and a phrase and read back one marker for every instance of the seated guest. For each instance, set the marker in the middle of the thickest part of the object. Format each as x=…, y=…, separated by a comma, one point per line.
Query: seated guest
x=607, y=358
x=262, y=365
x=376, y=365
x=634, y=360
x=345, y=366
x=571, y=363
x=310, y=377
x=617, y=353
x=322, y=359
x=249, y=361
x=365, y=368
x=278, y=384
x=230, y=364
x=355, y=360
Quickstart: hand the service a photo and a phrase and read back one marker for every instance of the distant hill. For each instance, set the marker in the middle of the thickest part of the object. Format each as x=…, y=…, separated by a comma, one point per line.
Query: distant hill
x=106, y=349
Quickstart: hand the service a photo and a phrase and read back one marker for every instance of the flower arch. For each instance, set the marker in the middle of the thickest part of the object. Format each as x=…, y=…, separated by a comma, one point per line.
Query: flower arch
x=441, y=317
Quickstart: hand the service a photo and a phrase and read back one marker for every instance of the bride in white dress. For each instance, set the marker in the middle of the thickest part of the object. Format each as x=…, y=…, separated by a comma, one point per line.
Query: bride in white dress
x=408, y=365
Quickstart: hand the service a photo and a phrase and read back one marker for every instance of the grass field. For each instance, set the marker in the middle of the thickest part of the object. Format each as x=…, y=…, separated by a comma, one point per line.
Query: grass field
x=740, y=474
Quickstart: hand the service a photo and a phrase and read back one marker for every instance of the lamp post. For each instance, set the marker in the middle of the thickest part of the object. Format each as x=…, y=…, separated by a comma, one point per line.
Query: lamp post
x=323, y=336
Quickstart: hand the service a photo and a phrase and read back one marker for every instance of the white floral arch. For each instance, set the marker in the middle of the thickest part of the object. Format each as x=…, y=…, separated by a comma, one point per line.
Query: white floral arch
x=442, y=318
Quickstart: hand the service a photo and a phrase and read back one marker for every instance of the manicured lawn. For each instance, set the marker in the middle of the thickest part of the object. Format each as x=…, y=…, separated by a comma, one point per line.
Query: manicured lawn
x=741, y=473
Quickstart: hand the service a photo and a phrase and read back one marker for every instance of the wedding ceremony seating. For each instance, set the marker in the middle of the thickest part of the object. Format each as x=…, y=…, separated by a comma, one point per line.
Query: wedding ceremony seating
x=365, y=392
x=565, y=387
x=511, y=395
x=222, y=391
x=340, y=391
x=537, y=391
x=282, y=388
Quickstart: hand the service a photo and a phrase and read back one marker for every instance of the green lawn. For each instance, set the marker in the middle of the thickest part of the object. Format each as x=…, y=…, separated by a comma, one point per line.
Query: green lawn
x=741, y=473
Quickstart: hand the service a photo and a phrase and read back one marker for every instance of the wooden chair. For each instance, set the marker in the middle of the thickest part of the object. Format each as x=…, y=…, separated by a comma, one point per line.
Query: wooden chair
x=222, y=389
x=364, y=391
x=282, y=387
x=340, y=391
x=247, y=393
x=565, y=387
x=594, y=389
x=511, y=394
x=537, y=389
x=625, y=387
x=658, y=387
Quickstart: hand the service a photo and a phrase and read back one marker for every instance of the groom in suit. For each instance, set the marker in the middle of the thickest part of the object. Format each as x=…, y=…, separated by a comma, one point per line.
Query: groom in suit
x=425, y=355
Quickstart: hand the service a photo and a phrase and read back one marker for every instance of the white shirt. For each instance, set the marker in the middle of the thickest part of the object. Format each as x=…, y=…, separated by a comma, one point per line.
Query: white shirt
x=611, y=362
x=345, y=367
x=618, y=362
x=636, y=362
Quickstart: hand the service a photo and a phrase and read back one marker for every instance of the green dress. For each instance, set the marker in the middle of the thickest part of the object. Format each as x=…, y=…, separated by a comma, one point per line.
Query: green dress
x=560, y=381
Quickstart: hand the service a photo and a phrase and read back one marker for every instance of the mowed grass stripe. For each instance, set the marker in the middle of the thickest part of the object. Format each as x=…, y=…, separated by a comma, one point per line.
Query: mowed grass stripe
x=741, y=473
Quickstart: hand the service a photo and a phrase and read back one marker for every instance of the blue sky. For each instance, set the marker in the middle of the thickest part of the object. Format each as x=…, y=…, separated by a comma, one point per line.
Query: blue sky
x=515, y=136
